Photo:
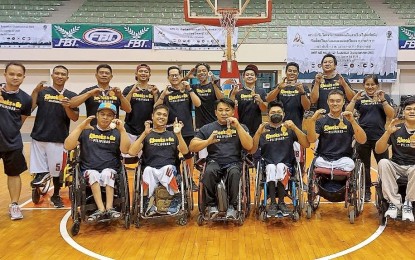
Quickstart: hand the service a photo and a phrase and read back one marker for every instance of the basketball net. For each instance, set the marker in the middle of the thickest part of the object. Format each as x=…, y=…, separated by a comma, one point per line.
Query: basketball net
x=228, y=19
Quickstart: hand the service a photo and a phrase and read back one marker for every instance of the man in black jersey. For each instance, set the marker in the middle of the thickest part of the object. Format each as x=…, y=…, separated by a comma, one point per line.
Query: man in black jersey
x=100, y=151
x=101, y=93
x=224, y=139
x=50, y=129
x=335, y=134
x=179, y=98
x=142, y=97
x=160, y=153
x=327, y=81
x=401, y=136
x=15, y=107
x=276, y=139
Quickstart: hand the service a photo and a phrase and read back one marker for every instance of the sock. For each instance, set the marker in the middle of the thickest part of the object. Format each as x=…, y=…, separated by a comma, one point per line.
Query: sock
x=56, y=185
x=272, y=191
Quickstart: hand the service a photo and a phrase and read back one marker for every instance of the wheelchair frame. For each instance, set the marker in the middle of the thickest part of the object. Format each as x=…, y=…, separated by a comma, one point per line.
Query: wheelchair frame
x=354, y=194
x=244, y=199
x=79, y=197
x=382, y=204
x=187, y=198
x=295, y=192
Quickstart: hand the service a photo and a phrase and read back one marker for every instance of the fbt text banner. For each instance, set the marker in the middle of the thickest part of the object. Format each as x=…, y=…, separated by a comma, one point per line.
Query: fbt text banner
x=25, y=35
x=359, y=50
x=406, y=38
x=191, y=37
x=102, y=36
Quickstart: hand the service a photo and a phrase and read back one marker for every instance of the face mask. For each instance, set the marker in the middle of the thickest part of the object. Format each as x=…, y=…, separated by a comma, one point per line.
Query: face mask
x=276, y=118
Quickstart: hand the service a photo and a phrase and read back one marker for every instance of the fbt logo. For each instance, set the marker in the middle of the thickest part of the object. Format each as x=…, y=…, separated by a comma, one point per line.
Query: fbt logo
x=66, y=43
x=137, y=44
x=409, y=44
x=102, y=36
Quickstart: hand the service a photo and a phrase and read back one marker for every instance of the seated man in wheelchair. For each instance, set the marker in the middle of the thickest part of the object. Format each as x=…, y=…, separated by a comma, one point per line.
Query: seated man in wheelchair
x=335, y=135
x=100, y=150
x=224, y=139
x=160, y=152
x=401, y=136
x=276, y=139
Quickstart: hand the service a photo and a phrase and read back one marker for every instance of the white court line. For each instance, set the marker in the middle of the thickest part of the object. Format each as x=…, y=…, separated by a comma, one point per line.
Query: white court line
x=46, y=208
x=65, y=235
x=358, y=246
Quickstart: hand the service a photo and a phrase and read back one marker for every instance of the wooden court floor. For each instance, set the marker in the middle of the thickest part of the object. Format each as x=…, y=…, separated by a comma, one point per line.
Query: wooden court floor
x=40, y=235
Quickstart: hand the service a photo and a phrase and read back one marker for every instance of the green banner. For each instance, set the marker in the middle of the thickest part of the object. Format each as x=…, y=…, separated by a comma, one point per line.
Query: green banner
x=406, y=38
x=101, y=36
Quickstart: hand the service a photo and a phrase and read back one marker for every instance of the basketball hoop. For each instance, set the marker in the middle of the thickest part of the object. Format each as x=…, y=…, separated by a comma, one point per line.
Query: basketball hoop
x=228, y=19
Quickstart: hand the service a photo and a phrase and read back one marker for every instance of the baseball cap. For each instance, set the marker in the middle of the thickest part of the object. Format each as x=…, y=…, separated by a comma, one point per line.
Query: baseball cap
x=107, y=105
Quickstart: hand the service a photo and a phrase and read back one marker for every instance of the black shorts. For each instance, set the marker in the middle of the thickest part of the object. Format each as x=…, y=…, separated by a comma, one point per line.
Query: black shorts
x=14, y=162
x=187, y=140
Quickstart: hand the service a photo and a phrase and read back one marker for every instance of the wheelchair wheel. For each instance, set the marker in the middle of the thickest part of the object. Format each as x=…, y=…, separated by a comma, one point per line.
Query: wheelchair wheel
x=352, y=214
x=125, y=204
x=36, y=195
x=136, y=196
x=309, y=210
x=241, y=219
x=182, y=221
x=200, y=219
x=188, y=188
x=258, y=190
x=246, y=191
x=312, y=195
x=44, y=188
x=263, y=216
x=76, y=226
x=360, y=187
x=296, y=216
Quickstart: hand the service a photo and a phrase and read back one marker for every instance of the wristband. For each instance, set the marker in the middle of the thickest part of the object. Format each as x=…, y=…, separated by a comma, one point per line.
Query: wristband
x=302, y=94
x=383, y=101
x=190, y=90
x=216, y=82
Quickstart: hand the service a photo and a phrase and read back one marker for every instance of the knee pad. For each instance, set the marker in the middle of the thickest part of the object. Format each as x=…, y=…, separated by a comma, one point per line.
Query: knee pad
x=222, y=196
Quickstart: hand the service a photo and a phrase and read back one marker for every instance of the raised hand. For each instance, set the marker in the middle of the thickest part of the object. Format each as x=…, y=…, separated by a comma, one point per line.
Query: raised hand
x=213, y=137
x=263, y=128
x=290, y=124
x=117, y=92
x=65, y=102
x=392, y=128
x=348, y=115
x=318, y=114
x=177, y=126
x=147, y=127
x=86, y=124
x=154, y=90
x=359, y=96
x=299, y=87
x=191, y=73
x=96, y=92
x=319, y=78
x=41, y=86
x=186, y=85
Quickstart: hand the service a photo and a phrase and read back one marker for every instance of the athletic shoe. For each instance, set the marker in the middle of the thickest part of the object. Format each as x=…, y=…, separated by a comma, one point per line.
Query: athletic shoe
x=231, y=213
x=40, y=177
x=195, y=187
x=213, y=211
x=113, y=214
x=15, y=212
x=283, y=209
x=392, y=211
x=56, y=201
x=272, y=209
x=175, y=204
x=407, y=213
x=151, y=211
x=96, y=216
x=368, y=195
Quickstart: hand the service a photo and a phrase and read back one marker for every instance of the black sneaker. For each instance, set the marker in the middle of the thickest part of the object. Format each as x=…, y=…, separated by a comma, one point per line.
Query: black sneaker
x=56, y=201
x=283, y=208
x=40, y=177
x=175, y=204
x=368, y=196
x=272, y=209
x=195, y=187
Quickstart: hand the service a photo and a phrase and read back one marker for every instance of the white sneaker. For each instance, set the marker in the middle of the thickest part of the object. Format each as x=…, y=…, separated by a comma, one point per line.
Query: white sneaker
x=15, y=212
x=407, y=213
x=392, y=211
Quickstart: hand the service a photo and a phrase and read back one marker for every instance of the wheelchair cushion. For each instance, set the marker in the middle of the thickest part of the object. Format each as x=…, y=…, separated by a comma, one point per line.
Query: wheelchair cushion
x=328, y=171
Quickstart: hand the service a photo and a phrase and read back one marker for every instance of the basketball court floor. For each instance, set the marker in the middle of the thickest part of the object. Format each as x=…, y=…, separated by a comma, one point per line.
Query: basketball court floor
x=44, y=234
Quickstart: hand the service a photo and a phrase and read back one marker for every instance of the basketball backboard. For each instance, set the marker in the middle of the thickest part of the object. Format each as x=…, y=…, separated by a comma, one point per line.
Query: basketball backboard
x=209, y=12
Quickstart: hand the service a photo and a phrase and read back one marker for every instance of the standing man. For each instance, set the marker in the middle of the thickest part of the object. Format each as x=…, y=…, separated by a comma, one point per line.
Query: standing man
x=292, y=94
x=179, y=98
x=142, y=97
x=101, y=93
x=15, y=107
x=250, y=100
x=401, y=136
x=327, y=81
x=51, y=129
x=208, y=91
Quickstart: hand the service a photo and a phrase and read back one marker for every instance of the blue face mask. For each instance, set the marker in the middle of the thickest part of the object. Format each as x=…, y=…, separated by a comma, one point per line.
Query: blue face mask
x=276, y=118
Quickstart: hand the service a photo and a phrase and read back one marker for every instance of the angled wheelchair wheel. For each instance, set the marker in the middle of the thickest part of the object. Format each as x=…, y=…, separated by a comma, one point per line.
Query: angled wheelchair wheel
x=352, y=214
x=258, y=190
x=360, y=185
x=36, y=195
x=76, y=226
x=309, y=211
x=136, y=196
x=200, y=219
x=44, y=188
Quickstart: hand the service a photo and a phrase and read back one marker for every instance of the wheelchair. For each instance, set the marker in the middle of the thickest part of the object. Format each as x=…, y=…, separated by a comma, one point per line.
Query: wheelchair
x=382, y=204
x=244, y=199
x=41, y=189
x=294, y=192
x=82, y=200
x=336, y=186
x=162, y=198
